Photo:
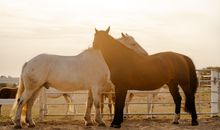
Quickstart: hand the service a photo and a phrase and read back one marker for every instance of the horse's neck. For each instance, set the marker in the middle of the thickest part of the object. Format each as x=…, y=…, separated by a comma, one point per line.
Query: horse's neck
x=89, y=52
x=120, y=47
x=139, y=49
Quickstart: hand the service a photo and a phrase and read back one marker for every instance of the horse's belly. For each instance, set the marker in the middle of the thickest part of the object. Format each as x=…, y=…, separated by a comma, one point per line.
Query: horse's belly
x=146, y=86
x=69, y=86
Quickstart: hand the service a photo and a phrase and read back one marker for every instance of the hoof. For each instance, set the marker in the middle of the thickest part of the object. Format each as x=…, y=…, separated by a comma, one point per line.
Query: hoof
x=195, y=123
x=102, y=124
x=88, y=124
x=31, y=126
x=115, y=126
x=17, y=127
x=176, y=123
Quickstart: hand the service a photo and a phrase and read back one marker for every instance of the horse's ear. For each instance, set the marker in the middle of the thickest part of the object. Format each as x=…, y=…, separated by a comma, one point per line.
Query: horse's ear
x=108, y=29
x=126, y=34
x=122, y=34
x=96, y=30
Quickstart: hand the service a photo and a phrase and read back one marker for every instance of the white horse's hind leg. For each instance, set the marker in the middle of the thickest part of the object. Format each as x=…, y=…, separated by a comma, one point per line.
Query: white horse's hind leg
x=69, y=101
x=102, y=103
x=110, y=103
x=150, y=105
x=30, y=104
x=87, y=117
x=127, y=102
x=26, y=95
x=97, y=100
x=152, y=109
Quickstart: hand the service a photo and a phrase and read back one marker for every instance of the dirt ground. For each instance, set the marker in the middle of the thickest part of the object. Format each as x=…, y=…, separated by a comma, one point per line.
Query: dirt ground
x=133, y=123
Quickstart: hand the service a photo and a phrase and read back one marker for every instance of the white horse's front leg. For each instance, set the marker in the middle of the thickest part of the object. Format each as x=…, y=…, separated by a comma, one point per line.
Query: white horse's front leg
x=97, y=101
x=87, y=117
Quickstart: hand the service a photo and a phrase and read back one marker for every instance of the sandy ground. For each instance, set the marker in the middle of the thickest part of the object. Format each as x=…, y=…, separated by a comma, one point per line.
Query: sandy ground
x=133, y=123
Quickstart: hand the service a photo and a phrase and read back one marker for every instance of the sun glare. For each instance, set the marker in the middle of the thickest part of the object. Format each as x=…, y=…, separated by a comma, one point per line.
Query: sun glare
x=157, y=25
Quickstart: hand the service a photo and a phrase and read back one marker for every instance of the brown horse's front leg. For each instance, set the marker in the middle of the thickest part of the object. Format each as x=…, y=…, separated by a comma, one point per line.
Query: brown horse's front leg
x=120, y=96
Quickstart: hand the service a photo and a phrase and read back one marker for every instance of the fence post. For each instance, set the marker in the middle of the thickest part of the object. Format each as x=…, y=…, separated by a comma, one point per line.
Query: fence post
x=42, y=104
x=214, y=93
x=199, y=76
x=218, y=92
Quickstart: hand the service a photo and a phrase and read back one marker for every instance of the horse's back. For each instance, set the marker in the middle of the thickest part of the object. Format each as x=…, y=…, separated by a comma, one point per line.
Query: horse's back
x=176, y=63
x=67, y=72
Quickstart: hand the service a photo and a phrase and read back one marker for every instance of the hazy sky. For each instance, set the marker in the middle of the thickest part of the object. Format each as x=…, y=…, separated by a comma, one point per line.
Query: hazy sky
x=66, y=27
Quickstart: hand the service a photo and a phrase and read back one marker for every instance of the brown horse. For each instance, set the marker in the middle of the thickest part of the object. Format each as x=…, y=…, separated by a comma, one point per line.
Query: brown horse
x=133, y=71
x=6, y=93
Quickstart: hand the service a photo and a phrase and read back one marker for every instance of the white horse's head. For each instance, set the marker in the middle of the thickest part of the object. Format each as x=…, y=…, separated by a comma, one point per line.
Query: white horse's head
x=130, y=42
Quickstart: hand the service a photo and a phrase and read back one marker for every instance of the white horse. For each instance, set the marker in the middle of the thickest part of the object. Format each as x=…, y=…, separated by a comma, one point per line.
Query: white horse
x=86, y=71
x=131, y=43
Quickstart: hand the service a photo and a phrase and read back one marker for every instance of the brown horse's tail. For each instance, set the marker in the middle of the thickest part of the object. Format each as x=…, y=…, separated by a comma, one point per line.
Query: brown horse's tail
x=18, y=95
x=190, y=97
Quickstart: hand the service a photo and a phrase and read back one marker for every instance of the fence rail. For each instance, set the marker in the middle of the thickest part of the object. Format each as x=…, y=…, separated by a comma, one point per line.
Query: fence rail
x=206, y=79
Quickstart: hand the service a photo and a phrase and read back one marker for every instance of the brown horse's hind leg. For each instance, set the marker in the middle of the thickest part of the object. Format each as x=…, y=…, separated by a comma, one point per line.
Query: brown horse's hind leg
x=174, y=90
x=190, y=103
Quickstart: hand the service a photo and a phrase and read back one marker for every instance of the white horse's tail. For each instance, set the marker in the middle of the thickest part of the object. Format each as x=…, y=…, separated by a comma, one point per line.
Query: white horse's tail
x=18, y=95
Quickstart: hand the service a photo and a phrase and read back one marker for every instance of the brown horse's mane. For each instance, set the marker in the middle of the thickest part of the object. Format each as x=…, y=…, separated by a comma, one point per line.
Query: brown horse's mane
x=117, y=44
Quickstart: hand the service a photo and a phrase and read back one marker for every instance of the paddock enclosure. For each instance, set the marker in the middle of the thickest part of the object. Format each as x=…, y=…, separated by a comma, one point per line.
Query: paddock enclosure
x=207, y=100
x=207, y=103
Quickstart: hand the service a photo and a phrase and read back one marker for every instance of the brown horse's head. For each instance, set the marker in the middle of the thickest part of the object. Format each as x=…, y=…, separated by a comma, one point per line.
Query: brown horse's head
x=100, y=38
